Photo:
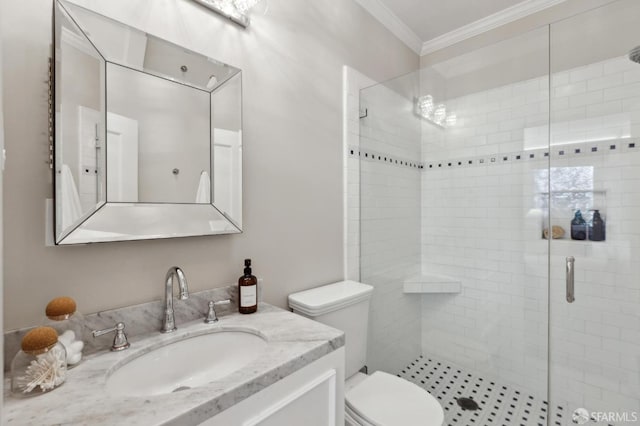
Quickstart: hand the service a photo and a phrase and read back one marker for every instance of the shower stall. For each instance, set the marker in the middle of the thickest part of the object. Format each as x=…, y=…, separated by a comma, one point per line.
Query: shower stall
x=487, y=292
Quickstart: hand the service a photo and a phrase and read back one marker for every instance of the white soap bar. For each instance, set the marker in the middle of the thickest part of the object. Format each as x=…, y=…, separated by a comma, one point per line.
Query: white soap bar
x=67, y=346
x=76, y=346
x=74, y=359
x=67, y=337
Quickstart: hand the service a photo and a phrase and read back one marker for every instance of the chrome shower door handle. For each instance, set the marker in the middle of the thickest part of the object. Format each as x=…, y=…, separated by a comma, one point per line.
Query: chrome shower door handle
x=570, y=279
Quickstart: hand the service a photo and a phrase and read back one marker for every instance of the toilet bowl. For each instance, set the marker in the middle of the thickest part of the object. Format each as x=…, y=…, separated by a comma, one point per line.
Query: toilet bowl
x=380, y=399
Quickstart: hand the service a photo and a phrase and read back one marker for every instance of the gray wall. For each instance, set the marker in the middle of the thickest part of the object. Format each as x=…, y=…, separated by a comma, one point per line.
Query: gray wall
x=292, y=73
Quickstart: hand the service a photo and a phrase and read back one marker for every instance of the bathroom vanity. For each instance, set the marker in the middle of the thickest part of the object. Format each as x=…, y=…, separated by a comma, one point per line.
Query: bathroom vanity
x=295, y=376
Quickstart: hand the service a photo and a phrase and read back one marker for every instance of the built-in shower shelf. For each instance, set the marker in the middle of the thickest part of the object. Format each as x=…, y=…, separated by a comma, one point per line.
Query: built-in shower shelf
x=432, y=283
x=576, y=191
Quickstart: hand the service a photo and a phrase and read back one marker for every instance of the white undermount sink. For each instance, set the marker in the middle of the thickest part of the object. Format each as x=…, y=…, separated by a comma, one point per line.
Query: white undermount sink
x=185, y=364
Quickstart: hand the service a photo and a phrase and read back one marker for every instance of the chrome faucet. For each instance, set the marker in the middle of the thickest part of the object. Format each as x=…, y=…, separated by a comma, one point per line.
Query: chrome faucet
x=169, y=323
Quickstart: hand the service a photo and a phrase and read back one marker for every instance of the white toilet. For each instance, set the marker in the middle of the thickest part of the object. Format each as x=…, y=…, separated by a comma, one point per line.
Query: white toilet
x=381, y=399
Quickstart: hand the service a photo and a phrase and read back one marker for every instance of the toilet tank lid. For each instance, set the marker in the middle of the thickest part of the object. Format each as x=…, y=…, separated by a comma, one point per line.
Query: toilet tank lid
x=329, y=298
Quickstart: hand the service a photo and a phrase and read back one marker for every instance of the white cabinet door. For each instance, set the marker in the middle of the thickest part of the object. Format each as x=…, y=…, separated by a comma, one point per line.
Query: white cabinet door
x=313, y=404
x=312, y=396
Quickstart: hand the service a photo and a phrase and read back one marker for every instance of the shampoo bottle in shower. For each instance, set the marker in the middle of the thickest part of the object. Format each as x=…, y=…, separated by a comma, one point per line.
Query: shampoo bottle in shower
x=247, y=290
x=578, y=227
x=596, y=227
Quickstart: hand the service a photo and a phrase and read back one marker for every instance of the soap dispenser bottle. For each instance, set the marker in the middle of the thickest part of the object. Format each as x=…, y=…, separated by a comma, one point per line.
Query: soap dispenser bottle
x=597, y=227
x=247, y=290
x=578, y=227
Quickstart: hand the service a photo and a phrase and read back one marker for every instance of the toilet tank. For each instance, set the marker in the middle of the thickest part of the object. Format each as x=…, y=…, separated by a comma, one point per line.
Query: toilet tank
x=343, y=305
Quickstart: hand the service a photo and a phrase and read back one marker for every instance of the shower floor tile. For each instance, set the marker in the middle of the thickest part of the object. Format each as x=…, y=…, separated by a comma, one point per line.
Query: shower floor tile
x=499, y=404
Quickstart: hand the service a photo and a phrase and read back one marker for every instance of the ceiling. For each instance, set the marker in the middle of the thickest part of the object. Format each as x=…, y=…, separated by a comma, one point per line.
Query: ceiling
x=429, y=25
x=430, y=19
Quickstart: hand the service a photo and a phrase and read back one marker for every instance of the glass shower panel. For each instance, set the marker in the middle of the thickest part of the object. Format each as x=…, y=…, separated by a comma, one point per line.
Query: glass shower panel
x=595, y=166
x=389, y=155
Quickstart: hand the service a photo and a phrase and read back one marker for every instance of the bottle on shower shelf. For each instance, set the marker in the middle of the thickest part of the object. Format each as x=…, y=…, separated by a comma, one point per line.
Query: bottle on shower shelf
x=578, y=227
x=597, y=227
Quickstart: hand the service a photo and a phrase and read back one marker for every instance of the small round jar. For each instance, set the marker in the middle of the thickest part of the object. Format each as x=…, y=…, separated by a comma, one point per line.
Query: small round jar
x=40, y=366
x=69, y=323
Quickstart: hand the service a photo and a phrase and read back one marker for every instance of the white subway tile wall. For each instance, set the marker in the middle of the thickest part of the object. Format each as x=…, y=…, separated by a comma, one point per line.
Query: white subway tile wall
x=482, y=223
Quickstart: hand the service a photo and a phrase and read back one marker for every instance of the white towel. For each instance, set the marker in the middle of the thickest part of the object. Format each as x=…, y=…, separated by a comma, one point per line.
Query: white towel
x=203, y=195
x=71, y=207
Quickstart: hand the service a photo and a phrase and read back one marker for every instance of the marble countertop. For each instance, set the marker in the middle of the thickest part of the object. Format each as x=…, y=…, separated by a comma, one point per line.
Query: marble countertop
x=293, y=342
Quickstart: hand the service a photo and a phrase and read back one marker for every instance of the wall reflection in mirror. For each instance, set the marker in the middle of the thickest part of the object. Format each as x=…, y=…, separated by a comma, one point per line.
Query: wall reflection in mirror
x=148, y=135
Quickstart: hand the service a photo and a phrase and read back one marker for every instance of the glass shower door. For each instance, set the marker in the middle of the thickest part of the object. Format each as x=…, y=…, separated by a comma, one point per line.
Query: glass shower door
x=594, y=199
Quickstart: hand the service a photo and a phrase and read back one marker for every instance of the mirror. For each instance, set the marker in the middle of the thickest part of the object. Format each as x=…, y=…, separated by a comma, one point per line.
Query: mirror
x=148, y=135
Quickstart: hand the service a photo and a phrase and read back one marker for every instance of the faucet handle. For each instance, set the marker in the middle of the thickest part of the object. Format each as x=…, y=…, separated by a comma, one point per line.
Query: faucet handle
x=119, y=340
x=211, y=314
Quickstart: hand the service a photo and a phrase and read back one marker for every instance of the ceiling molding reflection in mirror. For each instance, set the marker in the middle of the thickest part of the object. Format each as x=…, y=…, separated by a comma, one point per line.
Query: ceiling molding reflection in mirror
x=147, y=134
x=234, y=10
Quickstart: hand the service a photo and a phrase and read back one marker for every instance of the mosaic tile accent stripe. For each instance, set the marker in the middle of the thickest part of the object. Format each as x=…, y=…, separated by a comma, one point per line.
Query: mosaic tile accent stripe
x=370, y=155
x=556, y=152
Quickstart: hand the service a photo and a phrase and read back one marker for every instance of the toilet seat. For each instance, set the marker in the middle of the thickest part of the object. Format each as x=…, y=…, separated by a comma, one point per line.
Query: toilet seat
x=383, y=399
x=352, y=419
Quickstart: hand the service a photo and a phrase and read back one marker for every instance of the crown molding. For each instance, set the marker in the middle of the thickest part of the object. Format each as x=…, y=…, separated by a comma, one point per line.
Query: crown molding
x=480, y=26
x=394, y=24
